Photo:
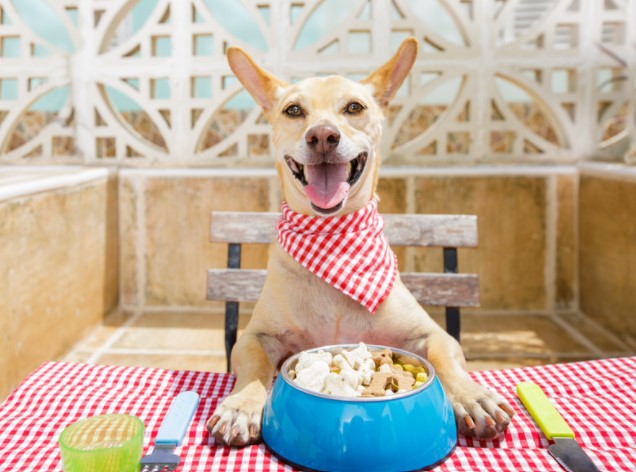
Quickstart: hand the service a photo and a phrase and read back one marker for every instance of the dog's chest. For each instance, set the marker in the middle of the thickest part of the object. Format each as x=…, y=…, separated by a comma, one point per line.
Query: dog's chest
x=316, y=312
x=336, y=320
x=340, y=320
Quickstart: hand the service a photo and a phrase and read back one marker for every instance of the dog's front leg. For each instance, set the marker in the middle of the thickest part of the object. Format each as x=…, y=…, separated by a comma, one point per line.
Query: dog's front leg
x=479, y=412
x=237, y=420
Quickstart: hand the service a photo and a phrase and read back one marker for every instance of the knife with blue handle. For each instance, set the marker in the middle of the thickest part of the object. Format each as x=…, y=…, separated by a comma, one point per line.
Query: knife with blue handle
x=171, y=433
x=565, y=449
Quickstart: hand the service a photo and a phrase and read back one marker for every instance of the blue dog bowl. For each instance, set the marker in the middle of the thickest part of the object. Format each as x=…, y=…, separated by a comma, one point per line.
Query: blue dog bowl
x=407, y=431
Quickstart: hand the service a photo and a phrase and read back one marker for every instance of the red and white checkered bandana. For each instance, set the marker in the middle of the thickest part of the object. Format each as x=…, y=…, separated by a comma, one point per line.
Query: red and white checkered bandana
x=348, y=252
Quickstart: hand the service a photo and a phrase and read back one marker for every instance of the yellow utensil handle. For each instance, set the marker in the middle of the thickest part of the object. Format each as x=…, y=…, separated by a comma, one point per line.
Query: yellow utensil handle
x=543, y=412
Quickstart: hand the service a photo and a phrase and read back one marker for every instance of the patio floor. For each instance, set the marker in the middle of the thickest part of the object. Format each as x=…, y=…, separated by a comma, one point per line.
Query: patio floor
x=194, y=340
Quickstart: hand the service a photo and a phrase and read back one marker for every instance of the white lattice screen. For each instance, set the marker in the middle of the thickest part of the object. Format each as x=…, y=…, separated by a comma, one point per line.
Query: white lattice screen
x=145, y=82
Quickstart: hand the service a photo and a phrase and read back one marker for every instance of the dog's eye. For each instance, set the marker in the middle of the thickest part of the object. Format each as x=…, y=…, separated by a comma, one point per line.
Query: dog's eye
x=294, y=111
x=353, y=108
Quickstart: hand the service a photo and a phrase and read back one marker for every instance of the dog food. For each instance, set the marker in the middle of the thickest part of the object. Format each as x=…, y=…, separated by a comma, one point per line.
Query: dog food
x=358, y=372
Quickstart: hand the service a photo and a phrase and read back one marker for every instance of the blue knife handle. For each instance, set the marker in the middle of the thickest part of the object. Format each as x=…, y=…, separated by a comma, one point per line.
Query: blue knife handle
x=179, y=417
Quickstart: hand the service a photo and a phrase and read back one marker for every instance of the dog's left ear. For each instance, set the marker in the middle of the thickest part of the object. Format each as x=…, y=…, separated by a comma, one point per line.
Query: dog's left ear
x=387, y=79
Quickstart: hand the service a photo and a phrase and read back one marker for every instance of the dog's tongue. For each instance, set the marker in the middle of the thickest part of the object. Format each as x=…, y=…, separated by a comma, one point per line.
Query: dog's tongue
x=326, y=184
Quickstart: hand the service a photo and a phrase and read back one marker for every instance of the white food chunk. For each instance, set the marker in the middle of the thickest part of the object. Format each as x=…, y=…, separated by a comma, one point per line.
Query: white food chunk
x=357, y=356
x=343, y=384
x=366, y=370
x=312, y=377
x=306, y=359
x=342, y=363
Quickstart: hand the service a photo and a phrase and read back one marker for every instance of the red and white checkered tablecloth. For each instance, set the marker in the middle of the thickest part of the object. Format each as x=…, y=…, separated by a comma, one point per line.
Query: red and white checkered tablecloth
x=597, y=399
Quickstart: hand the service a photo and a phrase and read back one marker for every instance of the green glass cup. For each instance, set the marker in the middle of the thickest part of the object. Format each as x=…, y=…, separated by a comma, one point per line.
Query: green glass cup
x=104, y=443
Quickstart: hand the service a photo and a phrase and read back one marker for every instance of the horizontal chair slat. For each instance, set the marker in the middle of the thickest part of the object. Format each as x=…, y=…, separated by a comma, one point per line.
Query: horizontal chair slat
x=431, y=230
x=245, y=285
x=243, y=227
x=400, y=230
x=235, y=285
x=443, y=289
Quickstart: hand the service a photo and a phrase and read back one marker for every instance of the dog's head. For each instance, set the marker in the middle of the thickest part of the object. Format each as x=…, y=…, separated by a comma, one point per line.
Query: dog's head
x=326, y=130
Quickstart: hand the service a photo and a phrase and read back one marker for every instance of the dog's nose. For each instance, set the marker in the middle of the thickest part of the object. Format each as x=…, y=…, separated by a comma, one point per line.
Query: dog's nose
x=322, y=138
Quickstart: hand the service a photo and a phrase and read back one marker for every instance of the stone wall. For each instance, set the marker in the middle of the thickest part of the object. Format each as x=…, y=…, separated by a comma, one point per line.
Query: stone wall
x=165, y=220
x=60, y=263
x=607, y=251
x=76, y=243
x=526, y=256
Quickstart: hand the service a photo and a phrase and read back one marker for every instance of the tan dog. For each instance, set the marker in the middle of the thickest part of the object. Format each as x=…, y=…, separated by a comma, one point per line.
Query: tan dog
x=334, y=124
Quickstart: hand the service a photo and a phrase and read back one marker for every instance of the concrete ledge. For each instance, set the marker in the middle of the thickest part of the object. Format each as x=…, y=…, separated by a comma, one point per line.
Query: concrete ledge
x=20, y=181
x=408, y=171
x=608, y=171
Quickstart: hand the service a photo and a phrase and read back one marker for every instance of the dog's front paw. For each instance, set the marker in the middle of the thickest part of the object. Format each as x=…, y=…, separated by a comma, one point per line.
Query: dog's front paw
x=237, y=421
x=479, y=412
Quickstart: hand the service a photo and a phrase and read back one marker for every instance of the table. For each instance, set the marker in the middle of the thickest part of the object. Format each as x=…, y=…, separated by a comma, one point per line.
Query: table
x=597, y=398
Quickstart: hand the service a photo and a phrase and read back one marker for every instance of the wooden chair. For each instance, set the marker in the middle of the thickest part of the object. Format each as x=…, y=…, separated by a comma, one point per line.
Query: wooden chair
x=449, y=289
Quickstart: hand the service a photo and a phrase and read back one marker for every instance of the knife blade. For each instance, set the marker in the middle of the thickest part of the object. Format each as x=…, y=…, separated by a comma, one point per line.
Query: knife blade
x=565, y=449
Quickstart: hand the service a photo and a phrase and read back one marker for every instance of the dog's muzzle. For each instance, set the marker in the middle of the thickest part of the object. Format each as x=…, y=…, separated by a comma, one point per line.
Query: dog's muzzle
x=326, y=184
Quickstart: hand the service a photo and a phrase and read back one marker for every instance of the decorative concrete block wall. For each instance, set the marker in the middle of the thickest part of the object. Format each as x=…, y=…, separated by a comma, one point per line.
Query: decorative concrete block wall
x=137, y=83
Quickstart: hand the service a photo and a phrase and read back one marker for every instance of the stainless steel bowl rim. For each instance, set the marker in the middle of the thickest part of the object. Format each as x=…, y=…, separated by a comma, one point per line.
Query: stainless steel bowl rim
x=284, y=373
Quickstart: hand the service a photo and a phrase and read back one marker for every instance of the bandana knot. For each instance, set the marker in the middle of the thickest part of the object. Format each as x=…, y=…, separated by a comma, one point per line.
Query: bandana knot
x=349, y=252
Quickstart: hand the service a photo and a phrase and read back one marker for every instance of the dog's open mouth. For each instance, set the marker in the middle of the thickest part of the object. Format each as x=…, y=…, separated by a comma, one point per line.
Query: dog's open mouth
x=326, y=185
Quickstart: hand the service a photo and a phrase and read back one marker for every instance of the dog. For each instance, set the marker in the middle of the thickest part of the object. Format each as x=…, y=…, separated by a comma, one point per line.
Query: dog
x=326, y=132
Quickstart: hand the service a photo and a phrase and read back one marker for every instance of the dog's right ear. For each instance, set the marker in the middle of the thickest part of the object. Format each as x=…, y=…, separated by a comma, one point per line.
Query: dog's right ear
x=260, y=84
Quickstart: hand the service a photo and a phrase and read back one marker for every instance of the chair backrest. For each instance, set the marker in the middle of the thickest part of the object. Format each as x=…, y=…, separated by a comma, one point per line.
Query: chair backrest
x=449, y=289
